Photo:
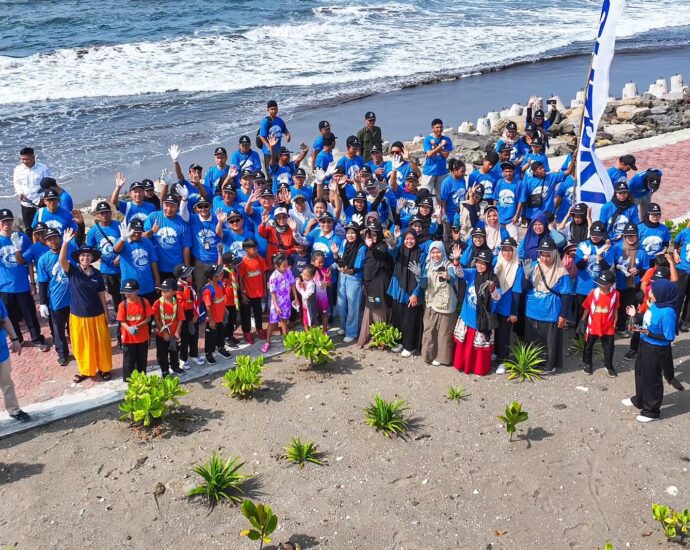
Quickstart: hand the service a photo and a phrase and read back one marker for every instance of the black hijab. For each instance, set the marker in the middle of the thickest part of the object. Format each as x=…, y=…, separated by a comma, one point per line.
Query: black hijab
x=351, y=250
x=406, y=255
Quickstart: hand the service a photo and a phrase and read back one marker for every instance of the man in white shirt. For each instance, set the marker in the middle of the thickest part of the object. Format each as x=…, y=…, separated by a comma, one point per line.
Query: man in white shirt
x=27, y=184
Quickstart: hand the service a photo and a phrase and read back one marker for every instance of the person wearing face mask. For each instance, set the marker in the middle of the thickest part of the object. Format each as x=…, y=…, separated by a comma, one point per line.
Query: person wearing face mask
x=618, y=212
x=510, y=276
x=654, y=235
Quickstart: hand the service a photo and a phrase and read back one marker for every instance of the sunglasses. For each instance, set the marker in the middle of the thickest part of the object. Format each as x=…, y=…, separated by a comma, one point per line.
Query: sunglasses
x=325, y=221
x=234, y=221
x=203, y=207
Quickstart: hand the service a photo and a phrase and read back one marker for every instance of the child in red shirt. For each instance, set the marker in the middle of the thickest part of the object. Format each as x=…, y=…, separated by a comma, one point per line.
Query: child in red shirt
x=252, y=290
x=213, y=297
x=232, y=296
x=134, y=314
x=599, y=316
x=188, y=346
x=169, y=314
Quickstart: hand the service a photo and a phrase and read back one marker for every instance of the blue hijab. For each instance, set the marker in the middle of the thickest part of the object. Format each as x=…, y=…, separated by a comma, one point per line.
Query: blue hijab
x=665, y=293
x=530, y=243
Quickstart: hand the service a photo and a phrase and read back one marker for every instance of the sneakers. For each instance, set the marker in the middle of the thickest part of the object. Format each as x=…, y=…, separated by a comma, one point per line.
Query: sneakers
x=199, y=360
x=348, y=339
x=436, y=363
x=627, y=402
x=550, y=371
x=62, y=361
x=176, y=370
x=611, y=373
x=21, y=416
x=210, y=359
x=624, y=333
x=185, y=365
x=225, y=353
x=645, y=419
x=501, y=369
x=587, y=369
x=232, y=342
x=341, y=332
x=42, y=346
x=684, y=327
x=261, y=332
x=248, y=337
x=676, y=384
x=266, y=346
x=631, y=354
x=406, y=353
x=397, y=349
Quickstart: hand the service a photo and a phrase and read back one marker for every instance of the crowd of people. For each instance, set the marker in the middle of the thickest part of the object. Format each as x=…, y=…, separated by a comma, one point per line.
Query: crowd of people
x=462, y=260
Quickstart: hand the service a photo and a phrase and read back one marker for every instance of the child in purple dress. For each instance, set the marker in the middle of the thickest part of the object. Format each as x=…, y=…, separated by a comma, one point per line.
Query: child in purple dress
x=281, y=285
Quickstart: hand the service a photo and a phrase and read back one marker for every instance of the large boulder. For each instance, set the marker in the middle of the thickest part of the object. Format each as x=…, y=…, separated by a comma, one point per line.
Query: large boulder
x=621, y=132
x=630, y=112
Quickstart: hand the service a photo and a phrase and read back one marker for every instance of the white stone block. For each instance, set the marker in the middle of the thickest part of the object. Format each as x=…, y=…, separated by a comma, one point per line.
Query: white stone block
x=466, y=127
x=677, y=83
x=515, y=110
x=493, y=117
x=662, y=85
x=483, y=126
x=630, y=90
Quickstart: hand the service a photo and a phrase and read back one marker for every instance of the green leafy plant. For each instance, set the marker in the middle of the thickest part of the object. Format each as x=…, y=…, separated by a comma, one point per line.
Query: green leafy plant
x=222, y=480
x=387, y=416
x=456, y=393
x=263, y=521
x=675, y=524
x=384, y=336
x=245, y=378
x=149, y=398
x=513, y=416
x=577, y=346
x=300, y=452
x=675, y=228
x=312, y=344
x=524, y=361
x=607, y=546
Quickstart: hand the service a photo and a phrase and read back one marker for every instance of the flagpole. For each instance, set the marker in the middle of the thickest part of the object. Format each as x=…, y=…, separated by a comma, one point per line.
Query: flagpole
x=582, y=122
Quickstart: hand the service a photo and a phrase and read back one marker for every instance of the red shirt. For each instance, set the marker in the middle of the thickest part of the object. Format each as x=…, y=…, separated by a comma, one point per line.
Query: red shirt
x=168, y=314
x=602, y=311
x=277, y=242
x=230, y=278
x=213, y=297
x=185, y=296
x=251, y=272
x=133, y=313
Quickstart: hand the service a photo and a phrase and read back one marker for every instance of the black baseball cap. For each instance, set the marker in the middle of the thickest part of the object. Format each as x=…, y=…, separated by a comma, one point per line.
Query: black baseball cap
x=547, y=245
x=329, y=138
x=653, y=179
x=284, y=151
x=230, y=258
x=629, y=160
x=50, y=232
x=580, y=209
x=48, y=182
x=531, y=128
x=40, y=227
x=247, y=173
x=538, y=113
x=597, y=229
x=299, y=173
x=51, y=194
x=234, y=215
x=359, y=196
x=135, y=185
x=479, y=191
x=375, y=149
x=653, y=208
x=326, y=216
x=352, y=141
x=630, y=230
x=324, y=124
x=622, y=187
x=103, y=206
x=426, y=201
x=537, y=141
x=195, y=166
x=370, y=115
x=479, y=231
x=213, y=271
x=509, y=241
x=129, y=286
x=244, y=140
x=172, y=199
x=220, y=151
x=484, y=256
x=136, y=225
x=202, y=202
x=605, y=278
x=259, y=176
x=182, y=271
x=512, y=126
x=267, y=193
x=169, y=284
x=148, y=184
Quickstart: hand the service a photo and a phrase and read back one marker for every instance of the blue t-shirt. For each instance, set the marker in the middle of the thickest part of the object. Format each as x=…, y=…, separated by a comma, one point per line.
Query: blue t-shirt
x=546, y=306
x=138, y=211
x=641, y=263
x=615, y=228
x=566, y=191
x=587, y=275
x=469, y=305
x=487, y=180
x=661, y=321
x=505, y=304
x=322, y=160
x=544, y=188
x=219, y=204
x=350, y=166
x=277, y=170
x=384, y=166
x=14, y=277
x=453, y=192
x=104, y=238
x=507, y=197
x=50, y=271
x=233, y=241
x=520, y=149
x=318, y=144
x=245, y=161
x=214, y=177
x=682, y=244
x=359, y=258
x=617, y=175
x=638, y=184
x=275, y=128
x=318, y=242
x=84, y=289
x=135, y=263
x=653, y=239
x=66, y=201
x=204, y=239
x=4, y=348
x=61, y=219
x=436, y=164
x=541, y=157
x=172, y=237
x=401, y=175
x=34, y=253
x=194, y=195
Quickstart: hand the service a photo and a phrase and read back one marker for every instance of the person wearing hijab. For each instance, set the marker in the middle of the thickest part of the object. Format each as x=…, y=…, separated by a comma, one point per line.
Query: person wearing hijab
x=377, y=268
x=495, y=234
x=474, y=247
x=577, y=230
x=537, y=230
x=654, y=356
x=510, y=276
x=631, y=263
x=437, y=280
x=548, y=299
x=405, y=294
x=474, y=330
x=349, y=257
x=618, y=212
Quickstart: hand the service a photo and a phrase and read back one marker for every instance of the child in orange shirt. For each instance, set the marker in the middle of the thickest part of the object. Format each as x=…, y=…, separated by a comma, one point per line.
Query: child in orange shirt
x=134, y=314
x=188, y=346
x=600, y=316
x=252, y=278
x=213, y=297
x=232, y=297
x=169, y=314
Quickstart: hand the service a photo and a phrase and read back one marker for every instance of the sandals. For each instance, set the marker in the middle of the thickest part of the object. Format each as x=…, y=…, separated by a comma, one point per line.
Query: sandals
x=78, y=378
x=105, y=376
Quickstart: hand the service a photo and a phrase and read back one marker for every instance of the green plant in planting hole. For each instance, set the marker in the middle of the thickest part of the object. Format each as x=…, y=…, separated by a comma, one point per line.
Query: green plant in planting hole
x=222, y=480
x=246, y=377
x=513, y=416
x=675, y=524
x=577, y=346
x=300, y=452
x=312, y=344
x=384, y=336
x=524, y=362
x=387, y=416
x=262, y=519
x=456, y=393
x=149, y=398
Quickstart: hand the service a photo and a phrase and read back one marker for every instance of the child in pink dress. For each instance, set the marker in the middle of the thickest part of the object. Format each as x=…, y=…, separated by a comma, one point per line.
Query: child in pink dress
x=322, y=279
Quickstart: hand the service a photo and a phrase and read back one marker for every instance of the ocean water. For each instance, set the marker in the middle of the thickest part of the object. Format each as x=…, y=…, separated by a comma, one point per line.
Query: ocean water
x=98, y=87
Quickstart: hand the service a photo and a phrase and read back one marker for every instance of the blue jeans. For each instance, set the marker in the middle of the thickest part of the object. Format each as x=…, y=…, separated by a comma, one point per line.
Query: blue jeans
x=349, y=299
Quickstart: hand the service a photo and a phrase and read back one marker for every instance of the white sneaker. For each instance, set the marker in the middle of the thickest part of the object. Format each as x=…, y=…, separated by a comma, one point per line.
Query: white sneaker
x=348, y=339
x=199, y=360
x=627, y=402
x=406, y=353
x=184, y=365
x=341, y=332
x=436, y=363
x=501, y=369
x=645, y=419
x=397, y=349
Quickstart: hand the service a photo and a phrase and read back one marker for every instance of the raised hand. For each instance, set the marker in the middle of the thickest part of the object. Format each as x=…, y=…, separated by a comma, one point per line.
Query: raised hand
x=292, y=224
x=304, y=147
x=220, y=247
x=630, y=310
x=155, y=227
x=415, y=269
x=120, y=180
x=174, y=152
x=68, y=235
x=17, y=241
x=265, y=215
x=272, y=141
x=406, y=155
x=182, y=191
x=397, y=231
x=319, y=176
x=77, y=216
x=221, y=216
x=232, y=173
x=334, y=248
x=396, y=162
x=165, y=176
x=456, y=251
x=331, y=168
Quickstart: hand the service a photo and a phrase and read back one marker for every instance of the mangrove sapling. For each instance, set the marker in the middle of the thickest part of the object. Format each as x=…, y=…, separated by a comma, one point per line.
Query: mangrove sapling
x=312, y=344
x=387, y=416
x=300, y=452
x=245, y=378
x=222, y=480
x=456, y=393
x=513, y=415
x=676, y=525
x=384, y=336
x=524, y=361
x=263, y=521
x=577, y=346
x=149, y=398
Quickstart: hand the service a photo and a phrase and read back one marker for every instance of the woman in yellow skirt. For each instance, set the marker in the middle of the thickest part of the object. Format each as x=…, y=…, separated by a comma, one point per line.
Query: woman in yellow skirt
x=88, y=324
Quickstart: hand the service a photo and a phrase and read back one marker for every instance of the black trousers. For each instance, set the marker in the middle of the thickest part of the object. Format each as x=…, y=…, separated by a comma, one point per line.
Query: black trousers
x=231, y=322
x=409, y=321
x=683, y=295
x=214, y=337
x=21, y=307
x=59, y=319
x=253, y=307
x=651, y=361
x=28, y=213
x=134, y=357
x=502, y=338
x=607, y=344
x=189, y=343
x=549, y=336
x=165, y=357
x=112, y=285
x=628, y=297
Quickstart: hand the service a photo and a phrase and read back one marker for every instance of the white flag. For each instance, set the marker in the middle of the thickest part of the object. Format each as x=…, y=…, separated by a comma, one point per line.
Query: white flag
x=595, y=186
